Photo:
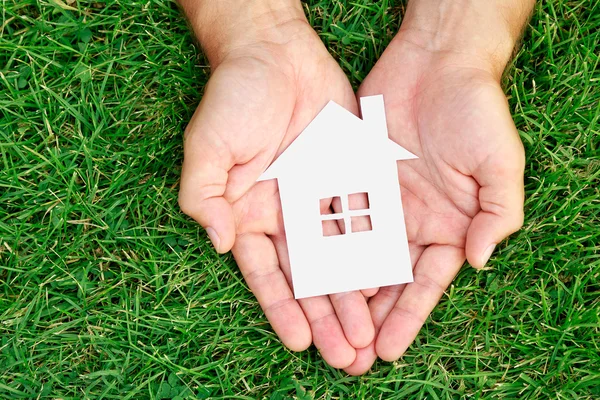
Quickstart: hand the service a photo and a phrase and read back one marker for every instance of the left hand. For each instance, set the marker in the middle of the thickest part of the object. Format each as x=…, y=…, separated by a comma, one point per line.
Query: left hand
x=461, y=197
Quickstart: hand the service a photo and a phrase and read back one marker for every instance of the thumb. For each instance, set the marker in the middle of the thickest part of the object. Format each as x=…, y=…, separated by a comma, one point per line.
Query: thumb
x=220, y=162
x=206, y=163
x=501, y=197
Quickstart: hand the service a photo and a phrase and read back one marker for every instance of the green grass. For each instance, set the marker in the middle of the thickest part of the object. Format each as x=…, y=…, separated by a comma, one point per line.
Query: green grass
x=108, y=291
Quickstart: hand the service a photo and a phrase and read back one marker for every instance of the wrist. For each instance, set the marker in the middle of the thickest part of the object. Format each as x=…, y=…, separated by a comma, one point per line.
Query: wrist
x=227, y=26
x=480, y=34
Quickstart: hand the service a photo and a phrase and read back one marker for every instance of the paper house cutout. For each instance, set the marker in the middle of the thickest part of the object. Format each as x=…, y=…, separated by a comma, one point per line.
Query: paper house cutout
x=339, y=155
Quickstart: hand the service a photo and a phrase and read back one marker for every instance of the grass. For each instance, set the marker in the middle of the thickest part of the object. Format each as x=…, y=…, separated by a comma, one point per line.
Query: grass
x=108, y=291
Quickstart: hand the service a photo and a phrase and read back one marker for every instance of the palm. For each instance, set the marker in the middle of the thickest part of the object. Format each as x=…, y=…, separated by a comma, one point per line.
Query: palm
x=456, y=120
x=254, y=106
x=258, y=108
x=440, y=193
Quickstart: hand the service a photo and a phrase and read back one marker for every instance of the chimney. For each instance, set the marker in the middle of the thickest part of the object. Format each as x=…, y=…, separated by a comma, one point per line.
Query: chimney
x=372, y=110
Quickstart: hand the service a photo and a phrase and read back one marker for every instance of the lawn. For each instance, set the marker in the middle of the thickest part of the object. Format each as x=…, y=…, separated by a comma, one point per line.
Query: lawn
x=108, y=291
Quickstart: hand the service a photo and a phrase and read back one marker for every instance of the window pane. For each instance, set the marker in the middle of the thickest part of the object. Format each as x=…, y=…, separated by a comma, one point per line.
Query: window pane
x=328, y=205
x=358, y=201
x=333, y=227
x=361, y=224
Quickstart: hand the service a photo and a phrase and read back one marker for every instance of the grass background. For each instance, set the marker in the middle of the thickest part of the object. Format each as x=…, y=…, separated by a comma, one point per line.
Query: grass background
x=108, y=291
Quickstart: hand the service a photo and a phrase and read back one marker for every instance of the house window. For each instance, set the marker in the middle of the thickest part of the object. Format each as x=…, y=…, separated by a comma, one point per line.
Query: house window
x=352, y=214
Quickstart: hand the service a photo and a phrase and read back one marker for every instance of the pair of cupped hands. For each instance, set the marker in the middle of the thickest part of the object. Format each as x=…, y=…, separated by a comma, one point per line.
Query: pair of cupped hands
x=461, y=197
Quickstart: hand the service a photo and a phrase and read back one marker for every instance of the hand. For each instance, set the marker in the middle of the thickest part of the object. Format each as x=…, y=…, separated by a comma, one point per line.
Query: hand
x=465, y=192
x=268, y=82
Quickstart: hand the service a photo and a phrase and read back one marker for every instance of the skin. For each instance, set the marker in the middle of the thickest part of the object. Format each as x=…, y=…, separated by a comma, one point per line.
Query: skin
x=271, y=75
x=465, y=192
x=266, y=86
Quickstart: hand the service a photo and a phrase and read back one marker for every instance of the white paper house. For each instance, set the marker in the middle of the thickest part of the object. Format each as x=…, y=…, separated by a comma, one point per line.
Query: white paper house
x=339, y=155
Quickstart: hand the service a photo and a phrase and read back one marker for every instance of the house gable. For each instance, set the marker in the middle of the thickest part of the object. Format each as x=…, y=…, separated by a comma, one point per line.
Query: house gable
x=335, y=136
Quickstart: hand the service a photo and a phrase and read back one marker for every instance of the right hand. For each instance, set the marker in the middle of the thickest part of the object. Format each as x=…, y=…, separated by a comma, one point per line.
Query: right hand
x=267, y=84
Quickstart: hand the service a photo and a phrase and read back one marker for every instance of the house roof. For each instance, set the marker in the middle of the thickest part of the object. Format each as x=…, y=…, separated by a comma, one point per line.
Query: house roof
x=338, y=136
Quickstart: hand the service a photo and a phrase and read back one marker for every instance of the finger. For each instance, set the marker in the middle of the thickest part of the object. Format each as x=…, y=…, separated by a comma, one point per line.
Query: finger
x=257, y=259
x=327, y=333
x=204, y=177
x=501, y=198
x=235, y=107
x=243, y=176
x=259, y=210
x=356, y=201
x=369, y=292
x=351, y=308
x=434, y=271
x=353, y=313
x=383, y=302
x=365, y=358
x=379, y=307
x=200, y=197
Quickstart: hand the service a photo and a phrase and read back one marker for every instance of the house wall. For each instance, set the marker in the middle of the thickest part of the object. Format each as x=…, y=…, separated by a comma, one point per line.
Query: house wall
x=367, y=257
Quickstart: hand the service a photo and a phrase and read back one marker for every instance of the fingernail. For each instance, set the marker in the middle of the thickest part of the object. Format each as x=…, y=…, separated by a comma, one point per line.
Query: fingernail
x=487, y=254
x=214, y=237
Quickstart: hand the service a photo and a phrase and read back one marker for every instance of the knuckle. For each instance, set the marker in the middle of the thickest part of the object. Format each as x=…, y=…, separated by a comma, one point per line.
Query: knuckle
x=429, y=283
x=258, y=279
x=408, y=314
x=278, y=305
x=186, y=205
x=328, y=317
